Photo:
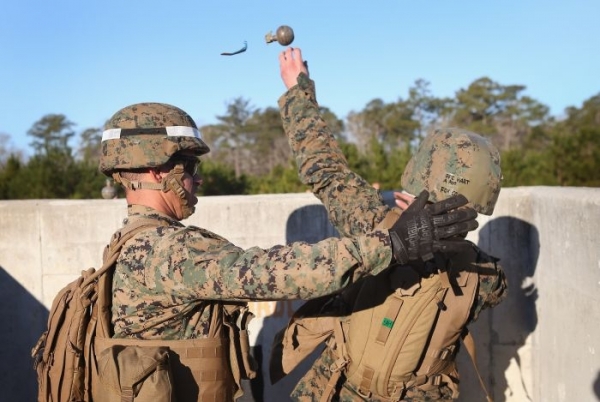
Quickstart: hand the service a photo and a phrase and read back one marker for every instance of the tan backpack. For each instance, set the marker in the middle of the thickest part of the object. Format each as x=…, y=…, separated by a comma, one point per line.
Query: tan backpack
x=59, y=355
x=77, y=360
x=389, y=332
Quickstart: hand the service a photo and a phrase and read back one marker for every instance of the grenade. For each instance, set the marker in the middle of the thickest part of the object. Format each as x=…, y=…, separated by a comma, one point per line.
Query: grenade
x=284, y=35
x=109, y=191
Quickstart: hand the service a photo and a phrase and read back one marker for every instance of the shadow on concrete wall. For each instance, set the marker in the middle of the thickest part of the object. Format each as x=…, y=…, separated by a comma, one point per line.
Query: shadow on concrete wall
x=308, y=224
x=517, y=244
x=23, y=320
x=514, y=241
x=596, y=386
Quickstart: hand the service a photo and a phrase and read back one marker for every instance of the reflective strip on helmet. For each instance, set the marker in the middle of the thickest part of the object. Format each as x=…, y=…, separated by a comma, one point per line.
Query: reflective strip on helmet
x=183, y=131
x=111, y=134
x=172, y=131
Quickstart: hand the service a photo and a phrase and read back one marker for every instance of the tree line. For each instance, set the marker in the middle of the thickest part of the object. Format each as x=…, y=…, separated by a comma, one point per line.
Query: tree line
x=250, y=154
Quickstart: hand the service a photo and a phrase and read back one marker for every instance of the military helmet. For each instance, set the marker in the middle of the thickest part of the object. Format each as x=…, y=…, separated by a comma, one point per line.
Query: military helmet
x=147, y=135
x=455, y=161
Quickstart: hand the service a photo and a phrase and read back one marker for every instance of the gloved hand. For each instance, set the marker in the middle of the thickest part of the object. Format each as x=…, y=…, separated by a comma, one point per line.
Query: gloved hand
x=423, y=229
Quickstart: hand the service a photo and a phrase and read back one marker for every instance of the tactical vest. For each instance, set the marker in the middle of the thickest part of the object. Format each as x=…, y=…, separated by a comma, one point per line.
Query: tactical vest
x=195, y=370
x=390, y=333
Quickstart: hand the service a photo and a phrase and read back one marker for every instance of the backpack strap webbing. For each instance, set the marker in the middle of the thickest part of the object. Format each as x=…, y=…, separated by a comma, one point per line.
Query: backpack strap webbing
x=390, y=218
x=339, y=365
x=102, y=311
x=236, y=318
x=469, y=343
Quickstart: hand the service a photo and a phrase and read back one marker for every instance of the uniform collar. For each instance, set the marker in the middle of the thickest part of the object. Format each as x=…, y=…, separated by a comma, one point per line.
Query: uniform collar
x=136, y=211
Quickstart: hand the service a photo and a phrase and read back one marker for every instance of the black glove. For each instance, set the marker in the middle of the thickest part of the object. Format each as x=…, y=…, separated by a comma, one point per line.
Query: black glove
x=423, y=229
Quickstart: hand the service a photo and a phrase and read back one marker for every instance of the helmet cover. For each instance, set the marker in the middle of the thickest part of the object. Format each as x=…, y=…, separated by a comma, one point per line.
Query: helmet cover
x=455, y=161
x=147, y=135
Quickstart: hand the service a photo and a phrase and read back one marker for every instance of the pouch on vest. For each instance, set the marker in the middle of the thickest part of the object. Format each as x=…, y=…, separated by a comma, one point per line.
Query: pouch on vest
x=310, y=326
x=237, y=316
x=199, y=367
x=134, y=374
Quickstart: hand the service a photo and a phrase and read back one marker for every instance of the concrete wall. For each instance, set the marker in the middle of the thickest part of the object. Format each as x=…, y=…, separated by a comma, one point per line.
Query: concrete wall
x=541, y=344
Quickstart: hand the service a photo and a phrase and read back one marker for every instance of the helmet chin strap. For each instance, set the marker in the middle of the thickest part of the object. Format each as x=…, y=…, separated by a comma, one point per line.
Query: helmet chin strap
x=173, y=181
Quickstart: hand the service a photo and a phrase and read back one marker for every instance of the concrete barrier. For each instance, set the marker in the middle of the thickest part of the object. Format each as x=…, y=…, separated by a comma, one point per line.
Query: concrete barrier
x=541, y=344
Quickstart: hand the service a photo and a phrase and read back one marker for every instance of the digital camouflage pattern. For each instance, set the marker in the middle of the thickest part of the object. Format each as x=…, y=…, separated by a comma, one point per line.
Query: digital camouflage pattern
x=149, y=146
x=454, y=161
x=354, y=207
x=323, y=166
x=167, y=279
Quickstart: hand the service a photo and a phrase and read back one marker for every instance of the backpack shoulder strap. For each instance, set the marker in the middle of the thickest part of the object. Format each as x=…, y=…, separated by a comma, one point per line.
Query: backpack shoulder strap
x=390, y=218
x=101, y=308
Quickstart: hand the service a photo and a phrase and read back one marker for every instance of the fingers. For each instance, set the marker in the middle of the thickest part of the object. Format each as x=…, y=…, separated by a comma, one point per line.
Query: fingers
x=454, y=246
x=448, y=204
x=403, y=200
x=291, y=65
x=420, y=202
x=297, y=54
x=293, y=57
x=450, y=221
x=458, y=215
x=445, y=232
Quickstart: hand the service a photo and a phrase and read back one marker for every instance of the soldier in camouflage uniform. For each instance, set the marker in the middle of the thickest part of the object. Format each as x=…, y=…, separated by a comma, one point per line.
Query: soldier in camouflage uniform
x=173, y=281
x=355, y=207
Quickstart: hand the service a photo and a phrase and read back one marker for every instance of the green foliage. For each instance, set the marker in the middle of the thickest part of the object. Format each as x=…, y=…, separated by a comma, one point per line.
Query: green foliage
x=575, y=147
x=498, y=111
x=52, y=172
x=379, y=166
x=51, y=134
x=576, y=157
x=526, y=168
x=10, y=174
x=50, y=175
x=90, y=145
x=220, y=179
x=250, y=154
x=391, y=125
x=282, y=179
x=89, y=181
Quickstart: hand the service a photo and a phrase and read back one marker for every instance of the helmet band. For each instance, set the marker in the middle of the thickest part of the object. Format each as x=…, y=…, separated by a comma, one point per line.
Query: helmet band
x=171, y=131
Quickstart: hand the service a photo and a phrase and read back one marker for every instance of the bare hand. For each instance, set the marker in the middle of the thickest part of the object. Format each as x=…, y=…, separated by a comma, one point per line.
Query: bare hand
x=291, y=65
x=403, y=200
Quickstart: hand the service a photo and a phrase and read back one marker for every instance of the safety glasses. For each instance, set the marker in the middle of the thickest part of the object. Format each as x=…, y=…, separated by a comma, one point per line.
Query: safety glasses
x=190, y=163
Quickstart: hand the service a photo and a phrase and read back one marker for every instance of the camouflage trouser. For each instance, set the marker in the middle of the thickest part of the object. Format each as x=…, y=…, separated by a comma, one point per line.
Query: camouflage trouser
x=310, y=387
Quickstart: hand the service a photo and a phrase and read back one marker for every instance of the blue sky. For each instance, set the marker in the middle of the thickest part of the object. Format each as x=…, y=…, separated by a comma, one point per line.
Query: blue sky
x=87, y=59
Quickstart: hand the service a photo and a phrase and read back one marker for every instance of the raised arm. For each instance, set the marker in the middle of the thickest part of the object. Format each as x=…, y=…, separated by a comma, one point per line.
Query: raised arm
x=354, y=207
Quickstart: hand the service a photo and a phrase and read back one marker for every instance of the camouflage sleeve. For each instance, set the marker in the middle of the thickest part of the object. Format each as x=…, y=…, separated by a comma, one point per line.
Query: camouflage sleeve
x=193, y=263
x=354, y=207
x=492, y=285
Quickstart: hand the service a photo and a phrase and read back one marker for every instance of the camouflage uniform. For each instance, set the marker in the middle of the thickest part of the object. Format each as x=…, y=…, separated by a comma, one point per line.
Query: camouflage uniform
x=180, y=284
x=354, y=207
x=173, y=269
